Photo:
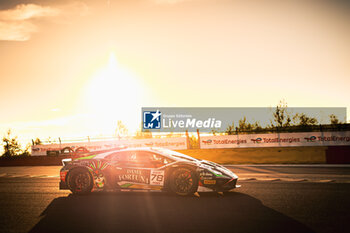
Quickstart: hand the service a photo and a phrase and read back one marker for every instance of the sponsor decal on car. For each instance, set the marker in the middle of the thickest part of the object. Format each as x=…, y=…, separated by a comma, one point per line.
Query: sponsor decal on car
x=157, y=177
x=135, y=175
x=205, y=175
x=209, y=181
x=86, y=157
x=96, y=168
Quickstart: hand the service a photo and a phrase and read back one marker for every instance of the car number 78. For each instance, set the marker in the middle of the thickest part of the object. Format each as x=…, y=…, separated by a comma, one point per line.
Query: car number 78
x=157, y=177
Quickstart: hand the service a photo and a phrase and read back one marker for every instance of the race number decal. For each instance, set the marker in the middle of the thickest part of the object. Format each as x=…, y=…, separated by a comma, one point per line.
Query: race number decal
x=157, y=177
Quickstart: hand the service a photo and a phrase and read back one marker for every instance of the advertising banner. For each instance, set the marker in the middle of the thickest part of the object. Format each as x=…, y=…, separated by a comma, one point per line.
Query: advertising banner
x=179, y=143
x=277, y=140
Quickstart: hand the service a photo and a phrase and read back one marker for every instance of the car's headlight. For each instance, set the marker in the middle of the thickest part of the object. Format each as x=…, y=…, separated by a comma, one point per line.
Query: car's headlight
x=216, y=173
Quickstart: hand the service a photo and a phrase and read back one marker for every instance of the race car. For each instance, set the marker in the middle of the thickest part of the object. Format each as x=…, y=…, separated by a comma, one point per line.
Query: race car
x=145, y=169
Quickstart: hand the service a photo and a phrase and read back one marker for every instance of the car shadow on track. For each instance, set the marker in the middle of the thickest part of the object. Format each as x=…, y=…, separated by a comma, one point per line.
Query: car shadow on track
x=162, y=212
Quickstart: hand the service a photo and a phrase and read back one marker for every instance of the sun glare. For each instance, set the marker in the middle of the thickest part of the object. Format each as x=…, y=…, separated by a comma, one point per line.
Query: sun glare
x=114, y=94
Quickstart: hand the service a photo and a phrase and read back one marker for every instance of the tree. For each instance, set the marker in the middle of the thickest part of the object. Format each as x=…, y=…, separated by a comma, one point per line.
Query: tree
x=121, y=130
x=334, y=119
x=214, y=132
x=281, y=117
x=11, y=145
x=26, y=152
x=230, y=129
x=37, y=141
x=243, y=126
x=257, y=126
x=193, y=140
x=304, y=120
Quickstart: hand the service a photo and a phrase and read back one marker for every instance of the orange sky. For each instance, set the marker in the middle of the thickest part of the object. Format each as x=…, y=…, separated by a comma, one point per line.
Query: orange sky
x=73, y=68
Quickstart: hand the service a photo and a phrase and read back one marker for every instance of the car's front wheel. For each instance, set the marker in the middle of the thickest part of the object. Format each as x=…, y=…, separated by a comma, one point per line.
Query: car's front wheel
x=80, y=181
x=184, y=181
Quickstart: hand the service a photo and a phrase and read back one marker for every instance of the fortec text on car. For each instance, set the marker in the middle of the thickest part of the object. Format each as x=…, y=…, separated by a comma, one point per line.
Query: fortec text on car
x=145, y=168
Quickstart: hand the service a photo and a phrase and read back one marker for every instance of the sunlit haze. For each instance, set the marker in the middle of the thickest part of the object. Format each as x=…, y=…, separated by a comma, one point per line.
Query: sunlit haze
x=113, y=93
x=74, y=68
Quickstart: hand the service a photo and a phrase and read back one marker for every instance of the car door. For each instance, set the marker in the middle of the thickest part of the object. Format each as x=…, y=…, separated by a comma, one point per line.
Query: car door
x=139, y=169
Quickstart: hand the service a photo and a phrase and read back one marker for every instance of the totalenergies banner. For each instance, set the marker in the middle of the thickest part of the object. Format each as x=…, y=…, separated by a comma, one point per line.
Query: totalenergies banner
x=179, y=143
x=277, y=140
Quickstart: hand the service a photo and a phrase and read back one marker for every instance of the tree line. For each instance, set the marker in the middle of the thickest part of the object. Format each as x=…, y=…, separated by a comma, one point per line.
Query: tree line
x=283, y=121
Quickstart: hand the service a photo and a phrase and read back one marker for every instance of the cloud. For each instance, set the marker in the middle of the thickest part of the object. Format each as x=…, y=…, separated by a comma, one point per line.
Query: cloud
x=16, y=31
x=27, y=11
x=16, y=24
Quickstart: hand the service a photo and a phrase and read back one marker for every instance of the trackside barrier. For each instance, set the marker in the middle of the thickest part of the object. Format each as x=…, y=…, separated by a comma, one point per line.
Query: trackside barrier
x=341, y=138
x=178, y=143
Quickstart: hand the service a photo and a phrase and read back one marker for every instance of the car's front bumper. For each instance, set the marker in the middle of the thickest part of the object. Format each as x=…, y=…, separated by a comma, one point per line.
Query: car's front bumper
x=226, y=185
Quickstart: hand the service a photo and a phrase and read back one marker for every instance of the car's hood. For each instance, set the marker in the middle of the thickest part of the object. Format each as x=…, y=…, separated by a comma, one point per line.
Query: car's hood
x=215, y=168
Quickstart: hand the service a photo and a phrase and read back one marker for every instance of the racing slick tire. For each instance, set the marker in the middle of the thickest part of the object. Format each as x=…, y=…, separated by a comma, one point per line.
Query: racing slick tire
x=80, y=181
x=184, y=181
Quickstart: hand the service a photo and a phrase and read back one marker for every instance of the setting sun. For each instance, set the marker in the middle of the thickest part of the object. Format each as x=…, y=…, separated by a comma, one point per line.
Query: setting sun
x=114, y=93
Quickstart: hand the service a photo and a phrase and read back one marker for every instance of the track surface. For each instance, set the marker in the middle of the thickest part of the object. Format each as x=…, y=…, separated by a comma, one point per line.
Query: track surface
x=30, y=204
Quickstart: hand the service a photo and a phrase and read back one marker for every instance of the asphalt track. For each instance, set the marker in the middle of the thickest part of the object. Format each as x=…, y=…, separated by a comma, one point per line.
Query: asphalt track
x=280, y=199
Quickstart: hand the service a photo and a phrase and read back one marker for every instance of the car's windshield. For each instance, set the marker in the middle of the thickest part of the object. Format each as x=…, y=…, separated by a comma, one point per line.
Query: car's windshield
x=175, y=154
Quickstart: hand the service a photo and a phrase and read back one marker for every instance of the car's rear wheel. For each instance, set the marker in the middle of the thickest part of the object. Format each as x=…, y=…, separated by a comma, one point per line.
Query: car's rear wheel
x=184, y=181
x=80, y=181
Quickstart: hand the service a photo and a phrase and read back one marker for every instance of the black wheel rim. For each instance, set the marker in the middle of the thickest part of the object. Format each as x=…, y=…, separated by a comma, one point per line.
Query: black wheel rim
x=184, y=182
x=82, y=181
